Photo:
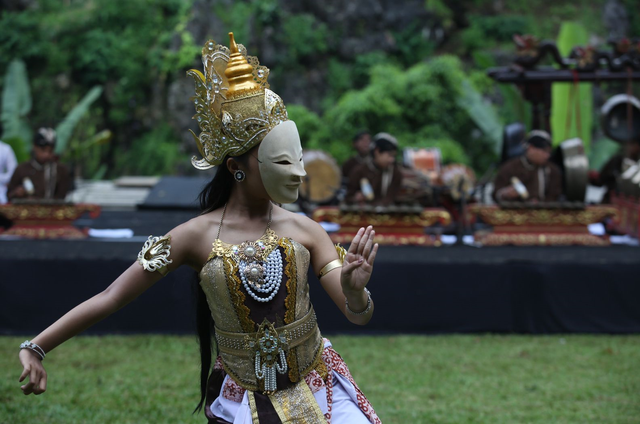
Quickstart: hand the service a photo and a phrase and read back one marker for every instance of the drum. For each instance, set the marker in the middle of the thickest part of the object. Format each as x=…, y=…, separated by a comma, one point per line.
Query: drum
x=323, y=177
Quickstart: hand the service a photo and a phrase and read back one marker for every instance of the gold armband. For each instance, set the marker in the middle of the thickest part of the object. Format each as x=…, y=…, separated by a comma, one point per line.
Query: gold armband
x=154, y=255
x=336, y=263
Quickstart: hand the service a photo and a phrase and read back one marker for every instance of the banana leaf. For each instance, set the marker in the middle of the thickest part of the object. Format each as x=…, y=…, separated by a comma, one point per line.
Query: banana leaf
x=570, y=103
x=16, y=104
x=65, y=129
x=482, y=113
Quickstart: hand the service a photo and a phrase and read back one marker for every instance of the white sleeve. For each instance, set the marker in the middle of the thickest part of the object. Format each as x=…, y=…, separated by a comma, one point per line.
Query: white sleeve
x=10, y=164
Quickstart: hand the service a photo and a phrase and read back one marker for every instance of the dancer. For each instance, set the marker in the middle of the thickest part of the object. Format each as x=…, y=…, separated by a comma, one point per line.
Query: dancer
x=272, y=364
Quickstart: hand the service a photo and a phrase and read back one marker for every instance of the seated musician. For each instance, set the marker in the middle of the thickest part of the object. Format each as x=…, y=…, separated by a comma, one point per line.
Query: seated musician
x=607, y=177
x=530, y=177
x=42, y=177
x=377, y=181
x=362, y=145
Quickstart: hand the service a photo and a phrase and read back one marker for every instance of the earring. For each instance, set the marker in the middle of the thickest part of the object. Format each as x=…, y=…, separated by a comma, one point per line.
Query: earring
x=239, y=175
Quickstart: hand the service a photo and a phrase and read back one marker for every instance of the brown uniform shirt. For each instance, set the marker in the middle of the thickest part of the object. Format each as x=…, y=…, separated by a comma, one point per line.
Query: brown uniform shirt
x=352, y=163
x=50, y=181
x=375, y=177
x=543, y=183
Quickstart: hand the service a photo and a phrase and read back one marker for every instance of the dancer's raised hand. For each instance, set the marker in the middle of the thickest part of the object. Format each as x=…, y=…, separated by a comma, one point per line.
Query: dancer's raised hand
x=358, y=264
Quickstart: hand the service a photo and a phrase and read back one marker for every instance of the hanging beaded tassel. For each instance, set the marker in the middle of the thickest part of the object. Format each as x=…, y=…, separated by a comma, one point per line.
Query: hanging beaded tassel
x=269, y=356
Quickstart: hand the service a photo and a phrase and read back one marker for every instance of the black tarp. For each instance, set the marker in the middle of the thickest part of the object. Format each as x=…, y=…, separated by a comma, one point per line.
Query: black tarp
x=416, y=290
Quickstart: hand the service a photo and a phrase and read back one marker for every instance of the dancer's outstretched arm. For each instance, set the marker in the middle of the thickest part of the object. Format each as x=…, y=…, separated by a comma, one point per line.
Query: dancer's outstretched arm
x=349, y=281
x=129, y=285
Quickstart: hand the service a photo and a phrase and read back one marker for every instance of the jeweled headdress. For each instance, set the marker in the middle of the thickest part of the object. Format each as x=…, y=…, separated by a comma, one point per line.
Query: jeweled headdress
x=234, y=107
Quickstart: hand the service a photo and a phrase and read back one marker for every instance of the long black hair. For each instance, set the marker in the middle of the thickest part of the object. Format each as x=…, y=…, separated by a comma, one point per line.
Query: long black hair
x=213, y=196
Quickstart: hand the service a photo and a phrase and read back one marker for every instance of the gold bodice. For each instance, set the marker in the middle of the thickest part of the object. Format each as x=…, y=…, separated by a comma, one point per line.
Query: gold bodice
x=235, y=312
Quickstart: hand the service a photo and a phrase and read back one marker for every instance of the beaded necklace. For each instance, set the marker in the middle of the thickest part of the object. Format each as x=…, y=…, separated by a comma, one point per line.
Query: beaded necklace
x=260, y=277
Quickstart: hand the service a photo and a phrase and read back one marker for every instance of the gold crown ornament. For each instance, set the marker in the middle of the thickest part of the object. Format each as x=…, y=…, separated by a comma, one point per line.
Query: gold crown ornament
x=234, y=107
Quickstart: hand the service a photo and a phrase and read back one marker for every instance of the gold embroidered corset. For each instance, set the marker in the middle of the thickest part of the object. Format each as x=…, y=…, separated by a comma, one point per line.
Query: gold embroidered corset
x=243, y=324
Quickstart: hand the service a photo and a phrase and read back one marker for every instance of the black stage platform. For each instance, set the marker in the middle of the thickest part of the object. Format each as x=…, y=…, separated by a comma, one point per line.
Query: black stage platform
x=416, y=289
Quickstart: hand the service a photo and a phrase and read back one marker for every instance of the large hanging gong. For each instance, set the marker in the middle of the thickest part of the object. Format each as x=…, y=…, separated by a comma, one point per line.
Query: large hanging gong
x=616, y=114
x=513, y=141
x=575, y=167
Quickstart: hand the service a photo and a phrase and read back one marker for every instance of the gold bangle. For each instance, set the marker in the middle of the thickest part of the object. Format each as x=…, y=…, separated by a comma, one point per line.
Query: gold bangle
x=336, y=263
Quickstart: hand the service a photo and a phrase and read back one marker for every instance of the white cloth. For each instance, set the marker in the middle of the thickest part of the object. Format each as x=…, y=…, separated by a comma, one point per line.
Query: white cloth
x=8, y=164
x=344, y=403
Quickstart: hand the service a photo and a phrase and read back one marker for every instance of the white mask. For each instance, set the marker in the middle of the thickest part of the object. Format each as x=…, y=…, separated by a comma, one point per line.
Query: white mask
x=281, y=166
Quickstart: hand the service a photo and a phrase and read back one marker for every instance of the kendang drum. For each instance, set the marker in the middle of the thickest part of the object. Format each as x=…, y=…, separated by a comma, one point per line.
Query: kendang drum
x=323, y=178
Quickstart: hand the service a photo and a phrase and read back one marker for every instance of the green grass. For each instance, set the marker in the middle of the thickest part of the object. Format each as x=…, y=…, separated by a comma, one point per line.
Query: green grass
x=409, y=379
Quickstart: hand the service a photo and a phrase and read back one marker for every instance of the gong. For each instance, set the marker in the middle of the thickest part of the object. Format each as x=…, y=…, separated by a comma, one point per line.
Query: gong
x=616, y=114
x=575, y=167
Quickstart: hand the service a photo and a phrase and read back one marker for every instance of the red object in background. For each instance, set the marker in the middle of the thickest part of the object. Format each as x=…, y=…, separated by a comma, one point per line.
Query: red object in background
x=46, y=221
x=541, y=226
x=392, y=228
x=628, y=221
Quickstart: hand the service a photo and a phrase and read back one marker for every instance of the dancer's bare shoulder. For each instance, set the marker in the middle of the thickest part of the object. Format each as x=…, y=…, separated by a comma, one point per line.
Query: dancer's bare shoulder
x=192, y=240
x=301, y=228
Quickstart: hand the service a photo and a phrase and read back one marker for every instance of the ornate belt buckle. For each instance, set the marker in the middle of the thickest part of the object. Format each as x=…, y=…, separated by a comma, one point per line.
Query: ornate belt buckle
x=269, y=355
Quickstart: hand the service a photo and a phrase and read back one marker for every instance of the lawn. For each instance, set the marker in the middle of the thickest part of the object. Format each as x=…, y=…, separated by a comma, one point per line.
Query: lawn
x=409, y=379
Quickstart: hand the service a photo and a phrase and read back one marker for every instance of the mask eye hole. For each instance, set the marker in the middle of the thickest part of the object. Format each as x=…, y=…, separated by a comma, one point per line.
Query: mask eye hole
x=283, y=162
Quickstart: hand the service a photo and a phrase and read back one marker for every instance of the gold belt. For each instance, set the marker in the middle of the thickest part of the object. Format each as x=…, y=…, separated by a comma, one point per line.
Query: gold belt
x=290, y=335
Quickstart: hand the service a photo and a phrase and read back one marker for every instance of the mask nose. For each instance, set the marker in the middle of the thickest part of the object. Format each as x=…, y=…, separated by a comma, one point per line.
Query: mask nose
x=298, y=171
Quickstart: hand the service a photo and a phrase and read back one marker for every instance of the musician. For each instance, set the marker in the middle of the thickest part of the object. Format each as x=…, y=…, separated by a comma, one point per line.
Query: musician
x=362, y=145
x=377, y=181
x=615, y=166
x=42, y=177
x=530, y=177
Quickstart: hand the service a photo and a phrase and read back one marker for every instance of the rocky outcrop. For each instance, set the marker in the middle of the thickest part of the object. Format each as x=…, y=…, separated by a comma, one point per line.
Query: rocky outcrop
x=356, y=27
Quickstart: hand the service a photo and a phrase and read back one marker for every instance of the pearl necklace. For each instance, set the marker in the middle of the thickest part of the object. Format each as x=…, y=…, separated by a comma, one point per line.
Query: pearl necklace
x=265, y=278
x=258, y=276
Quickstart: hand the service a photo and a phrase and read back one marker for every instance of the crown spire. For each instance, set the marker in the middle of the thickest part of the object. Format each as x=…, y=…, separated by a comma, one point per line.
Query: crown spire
x=239, y=72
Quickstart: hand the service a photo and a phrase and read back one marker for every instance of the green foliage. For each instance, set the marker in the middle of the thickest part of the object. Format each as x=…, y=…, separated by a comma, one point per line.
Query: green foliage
x=571, y=103
x=16, y=103
x=412, y=44
x=18, y=146
x=431, y=104
x=441, y=10
x=484, y=116
x=602, y=150
x=309, y=125
x=64, y=130
x=486, y=31
x=304, y=36
x=155, y=153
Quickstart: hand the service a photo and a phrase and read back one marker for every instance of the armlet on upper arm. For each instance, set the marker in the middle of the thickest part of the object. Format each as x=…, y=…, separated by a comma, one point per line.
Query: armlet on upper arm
x=154, y=255
x=336, y=263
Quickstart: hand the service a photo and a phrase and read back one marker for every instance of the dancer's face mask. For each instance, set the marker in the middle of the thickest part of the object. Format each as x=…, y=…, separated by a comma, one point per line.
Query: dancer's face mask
x=281, y=166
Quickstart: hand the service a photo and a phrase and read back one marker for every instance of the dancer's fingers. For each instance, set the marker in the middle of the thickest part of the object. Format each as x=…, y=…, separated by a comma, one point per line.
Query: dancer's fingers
x=372, y=256
x=25, y=372
x=349, y=267
x=41, y=386
x=368, y=244
x=353, y=247
x=363, y=240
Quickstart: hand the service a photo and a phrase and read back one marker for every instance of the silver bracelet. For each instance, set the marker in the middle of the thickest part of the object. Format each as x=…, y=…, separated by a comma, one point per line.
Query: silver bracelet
x=367, y=309
x=27, y=344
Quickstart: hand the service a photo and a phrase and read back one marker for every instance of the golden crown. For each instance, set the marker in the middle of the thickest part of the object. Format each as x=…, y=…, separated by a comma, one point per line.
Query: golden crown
x=234, y=107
